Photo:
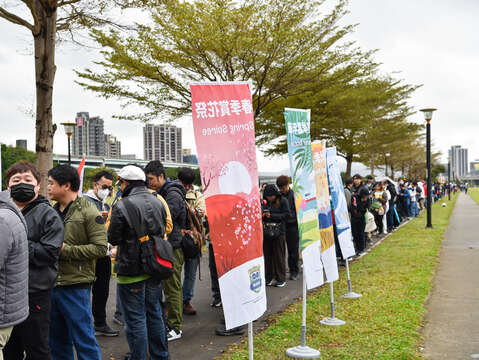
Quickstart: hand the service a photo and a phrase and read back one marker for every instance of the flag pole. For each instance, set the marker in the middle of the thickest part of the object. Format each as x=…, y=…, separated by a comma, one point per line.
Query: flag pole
x=250, y=340
x=332, y=321
x=302, y=351
x=350, y=294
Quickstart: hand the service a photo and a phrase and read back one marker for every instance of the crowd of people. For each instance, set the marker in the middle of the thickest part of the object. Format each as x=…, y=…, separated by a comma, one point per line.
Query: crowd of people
x=58, y=254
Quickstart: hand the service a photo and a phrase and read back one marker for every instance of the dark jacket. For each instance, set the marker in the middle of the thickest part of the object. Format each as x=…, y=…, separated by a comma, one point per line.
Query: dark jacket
x=359, y=208
x=292, y=219
x=174, y=195
x=45, y=239
x=151, y=212
x=279, y=214
x=13, y=264
x=85, y=242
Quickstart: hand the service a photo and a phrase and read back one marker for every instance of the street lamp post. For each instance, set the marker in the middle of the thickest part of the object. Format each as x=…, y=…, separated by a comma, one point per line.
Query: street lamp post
x=449, y=177
x=428, y=116
x=69, y=127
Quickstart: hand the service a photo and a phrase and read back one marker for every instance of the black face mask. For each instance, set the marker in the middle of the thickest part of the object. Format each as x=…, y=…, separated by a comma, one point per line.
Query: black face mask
x=22, y=192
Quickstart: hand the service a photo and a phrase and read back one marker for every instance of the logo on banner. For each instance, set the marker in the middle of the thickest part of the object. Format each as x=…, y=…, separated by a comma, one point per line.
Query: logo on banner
x=255, y=279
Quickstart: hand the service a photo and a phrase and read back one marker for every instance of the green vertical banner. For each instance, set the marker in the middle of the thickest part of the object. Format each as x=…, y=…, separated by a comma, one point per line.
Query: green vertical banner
x=304, y=187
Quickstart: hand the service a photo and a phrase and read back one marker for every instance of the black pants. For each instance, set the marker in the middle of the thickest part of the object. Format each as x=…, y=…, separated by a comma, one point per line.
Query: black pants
x=215, y=285
x=33, y=335
x=358, y=224
x=292, y=242
x=274, y=258
x=378, y=219
x=101, y=290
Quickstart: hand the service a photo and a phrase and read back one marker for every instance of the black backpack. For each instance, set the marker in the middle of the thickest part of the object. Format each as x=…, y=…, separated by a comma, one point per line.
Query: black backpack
x=156, y=254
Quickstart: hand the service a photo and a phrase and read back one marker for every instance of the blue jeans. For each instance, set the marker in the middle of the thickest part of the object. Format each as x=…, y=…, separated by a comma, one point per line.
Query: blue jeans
x=118, y=309
x=72, y=325
x=414, y=211
x=145, y=329
x=191, y=266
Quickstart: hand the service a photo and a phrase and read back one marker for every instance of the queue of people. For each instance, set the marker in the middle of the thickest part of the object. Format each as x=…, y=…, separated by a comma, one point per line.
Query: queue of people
x=58, y=260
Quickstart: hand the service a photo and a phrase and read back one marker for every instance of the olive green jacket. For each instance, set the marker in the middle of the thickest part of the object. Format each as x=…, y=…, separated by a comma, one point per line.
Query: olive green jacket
x=85, y=242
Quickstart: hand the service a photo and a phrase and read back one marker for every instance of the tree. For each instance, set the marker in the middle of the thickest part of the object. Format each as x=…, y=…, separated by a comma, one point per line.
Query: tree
x=282, y=46
x=12, y=154
x=46, y=21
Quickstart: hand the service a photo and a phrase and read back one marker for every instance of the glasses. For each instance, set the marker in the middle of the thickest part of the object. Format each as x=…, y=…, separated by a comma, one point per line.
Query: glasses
x=105, y=187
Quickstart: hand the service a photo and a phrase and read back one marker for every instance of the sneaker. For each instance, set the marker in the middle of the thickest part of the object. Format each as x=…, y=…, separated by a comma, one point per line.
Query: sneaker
x=188, y=309
x=221, y=331
x=293, y=277
x=280, y=284
x=106, y=331
x=174, y=334
x=216, y=303
x=270, y=283
x=116, y=319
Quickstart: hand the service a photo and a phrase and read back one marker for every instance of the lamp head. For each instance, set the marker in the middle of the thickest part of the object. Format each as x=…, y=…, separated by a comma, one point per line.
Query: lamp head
x=69, y=127
x=428, y=113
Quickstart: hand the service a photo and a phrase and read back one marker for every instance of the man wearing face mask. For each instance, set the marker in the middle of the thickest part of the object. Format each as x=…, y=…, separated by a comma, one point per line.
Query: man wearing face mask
x=102, y=187
x=45, y=238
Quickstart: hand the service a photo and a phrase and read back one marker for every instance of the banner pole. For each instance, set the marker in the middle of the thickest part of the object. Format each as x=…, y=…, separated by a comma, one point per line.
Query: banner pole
x=332, y=321
x=250, y=340
x=302, y=351
x=350, y=294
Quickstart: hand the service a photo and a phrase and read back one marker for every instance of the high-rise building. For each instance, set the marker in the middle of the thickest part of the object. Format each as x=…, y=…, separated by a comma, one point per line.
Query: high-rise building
x=162, y=142
x=22, y=143
x=128, y=156
x=459, y=161
x=88, y=136
x=112, y=147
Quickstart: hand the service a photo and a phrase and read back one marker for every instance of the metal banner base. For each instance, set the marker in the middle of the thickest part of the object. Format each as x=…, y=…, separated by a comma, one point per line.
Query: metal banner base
x=303, y=352
x=352, y=295
x=332, y=321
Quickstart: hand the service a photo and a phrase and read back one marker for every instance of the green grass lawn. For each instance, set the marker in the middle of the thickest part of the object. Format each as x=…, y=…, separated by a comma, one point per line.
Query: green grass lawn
x=474, y=194
x=395, y=280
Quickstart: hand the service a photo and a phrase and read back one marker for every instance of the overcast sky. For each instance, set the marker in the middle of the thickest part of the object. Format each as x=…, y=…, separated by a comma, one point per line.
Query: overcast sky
x=429, y=42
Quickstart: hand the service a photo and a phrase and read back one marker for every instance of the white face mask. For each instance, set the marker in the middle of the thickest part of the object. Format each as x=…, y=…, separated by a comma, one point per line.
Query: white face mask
x=103, y=194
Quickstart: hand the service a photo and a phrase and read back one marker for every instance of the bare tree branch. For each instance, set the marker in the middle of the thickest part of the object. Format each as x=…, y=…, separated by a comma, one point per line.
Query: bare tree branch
x=15, y=19
x=67, y=2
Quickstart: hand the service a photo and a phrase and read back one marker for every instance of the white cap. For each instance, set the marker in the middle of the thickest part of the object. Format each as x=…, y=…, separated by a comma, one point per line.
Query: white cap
x=131, y=172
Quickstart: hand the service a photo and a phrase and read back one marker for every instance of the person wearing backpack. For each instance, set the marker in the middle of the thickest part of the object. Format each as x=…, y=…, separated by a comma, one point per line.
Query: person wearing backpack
x=174, y=195
x=138, y=212
x=196, y=202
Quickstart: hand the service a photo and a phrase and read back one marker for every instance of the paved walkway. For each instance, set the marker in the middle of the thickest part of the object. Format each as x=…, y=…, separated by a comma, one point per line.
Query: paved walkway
x=452, y=322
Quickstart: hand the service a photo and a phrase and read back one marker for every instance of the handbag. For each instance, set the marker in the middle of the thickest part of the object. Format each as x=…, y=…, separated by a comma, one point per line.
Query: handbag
x=156, y=254
x=271, y=230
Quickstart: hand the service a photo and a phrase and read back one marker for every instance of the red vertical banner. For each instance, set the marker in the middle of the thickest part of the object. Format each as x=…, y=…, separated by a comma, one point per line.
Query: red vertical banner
x=223, y=124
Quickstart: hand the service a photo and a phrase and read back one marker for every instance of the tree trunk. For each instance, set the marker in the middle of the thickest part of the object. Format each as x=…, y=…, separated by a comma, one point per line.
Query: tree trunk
x=44, y=50
x=392, y=172
x=349, y=163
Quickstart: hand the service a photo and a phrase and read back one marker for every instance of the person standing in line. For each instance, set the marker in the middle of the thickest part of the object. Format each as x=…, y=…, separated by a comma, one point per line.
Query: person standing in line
x=275, y=213
x=139, y=293
x=174, y=195
x=360, y=203
x=13, y=268
x=196, y=201
x=292, y=232
x=357, y=184
x=45, y=238
x=85, y=241
x=102, y=188
x=348, y=193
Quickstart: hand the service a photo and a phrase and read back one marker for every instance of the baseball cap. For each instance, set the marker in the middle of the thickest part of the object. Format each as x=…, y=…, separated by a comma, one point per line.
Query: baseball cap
x=131, y=172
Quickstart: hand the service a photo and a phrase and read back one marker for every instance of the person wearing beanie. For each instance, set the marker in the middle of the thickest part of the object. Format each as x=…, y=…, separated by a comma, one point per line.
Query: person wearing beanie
x=275, y=213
